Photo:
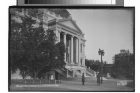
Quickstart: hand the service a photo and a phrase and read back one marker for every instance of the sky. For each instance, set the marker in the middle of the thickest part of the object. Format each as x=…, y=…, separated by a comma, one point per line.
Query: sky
x=110, y=30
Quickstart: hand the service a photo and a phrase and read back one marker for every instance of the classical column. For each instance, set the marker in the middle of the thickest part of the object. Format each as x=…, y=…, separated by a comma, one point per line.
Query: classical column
x=65, y=45
x=84, y=55
x=79, y=46
x=58, y=36
x=71, y=49
x=77, y=58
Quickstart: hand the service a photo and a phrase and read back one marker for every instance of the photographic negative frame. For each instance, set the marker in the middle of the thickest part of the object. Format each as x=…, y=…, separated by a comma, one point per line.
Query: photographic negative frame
x=89, y=8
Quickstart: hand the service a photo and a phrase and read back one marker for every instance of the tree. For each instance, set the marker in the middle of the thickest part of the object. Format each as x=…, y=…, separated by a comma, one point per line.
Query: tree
x=32, y=49
x=89, y=63
x=93, y=64
x=27, y=39
x=60, y=54
x=96, y=66
x=24, y=42
x=101, y=52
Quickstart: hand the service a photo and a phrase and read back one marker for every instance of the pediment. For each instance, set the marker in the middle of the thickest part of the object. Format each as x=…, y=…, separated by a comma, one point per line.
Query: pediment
x=70, y=24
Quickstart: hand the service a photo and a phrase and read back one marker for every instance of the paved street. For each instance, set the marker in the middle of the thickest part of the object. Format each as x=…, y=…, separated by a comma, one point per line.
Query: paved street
x=74, y=85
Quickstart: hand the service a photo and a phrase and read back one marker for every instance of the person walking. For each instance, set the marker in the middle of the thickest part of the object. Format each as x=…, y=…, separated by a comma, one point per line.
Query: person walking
x=98, y=79
x=83, y=79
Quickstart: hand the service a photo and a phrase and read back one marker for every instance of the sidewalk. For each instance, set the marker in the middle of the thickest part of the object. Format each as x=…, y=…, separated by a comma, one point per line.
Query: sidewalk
x=92, y=86
x=75, y=85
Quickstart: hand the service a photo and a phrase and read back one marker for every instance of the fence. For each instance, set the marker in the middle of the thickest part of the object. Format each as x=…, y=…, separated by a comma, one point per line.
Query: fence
x=34, y=81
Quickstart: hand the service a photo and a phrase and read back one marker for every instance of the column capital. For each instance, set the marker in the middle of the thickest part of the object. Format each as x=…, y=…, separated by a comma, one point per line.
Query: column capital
x=64, y=33
x=59, y=31
x=72, y=36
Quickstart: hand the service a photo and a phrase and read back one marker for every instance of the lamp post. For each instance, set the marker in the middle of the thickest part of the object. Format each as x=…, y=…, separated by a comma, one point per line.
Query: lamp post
x=101, y=52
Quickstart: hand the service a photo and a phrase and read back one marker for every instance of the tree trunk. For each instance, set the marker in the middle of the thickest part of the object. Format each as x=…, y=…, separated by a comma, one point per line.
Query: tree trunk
x=101, y=70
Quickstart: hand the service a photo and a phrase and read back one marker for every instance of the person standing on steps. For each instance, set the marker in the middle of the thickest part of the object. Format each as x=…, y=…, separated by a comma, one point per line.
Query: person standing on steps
x=83, y=79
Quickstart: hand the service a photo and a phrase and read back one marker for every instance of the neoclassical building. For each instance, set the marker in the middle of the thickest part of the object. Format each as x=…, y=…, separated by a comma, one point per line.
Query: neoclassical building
x=66, y=30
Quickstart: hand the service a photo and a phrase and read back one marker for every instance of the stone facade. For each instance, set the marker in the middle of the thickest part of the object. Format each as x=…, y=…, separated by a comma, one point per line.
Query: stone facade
x=67, y=31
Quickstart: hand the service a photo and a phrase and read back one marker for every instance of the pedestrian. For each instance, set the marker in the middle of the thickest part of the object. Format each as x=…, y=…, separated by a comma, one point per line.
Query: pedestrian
x=83, y=79
x=98, y=79
x=51, y=79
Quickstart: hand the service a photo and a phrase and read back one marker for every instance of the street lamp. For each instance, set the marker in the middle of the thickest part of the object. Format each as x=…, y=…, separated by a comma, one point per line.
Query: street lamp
x=101, y=52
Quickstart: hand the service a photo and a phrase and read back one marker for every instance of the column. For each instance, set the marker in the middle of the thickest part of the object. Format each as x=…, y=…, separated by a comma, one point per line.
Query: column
x=58, y=36
x=65, y=45
x=84, y=55
x=77, y=58
x=79, y=52
x=71, y=49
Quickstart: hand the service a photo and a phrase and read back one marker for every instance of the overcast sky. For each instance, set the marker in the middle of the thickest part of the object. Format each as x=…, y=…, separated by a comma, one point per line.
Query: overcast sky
x=111, y=30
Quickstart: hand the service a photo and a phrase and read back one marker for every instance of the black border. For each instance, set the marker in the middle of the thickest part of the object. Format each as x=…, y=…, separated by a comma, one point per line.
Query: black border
x=9, y=72
x=69, y=7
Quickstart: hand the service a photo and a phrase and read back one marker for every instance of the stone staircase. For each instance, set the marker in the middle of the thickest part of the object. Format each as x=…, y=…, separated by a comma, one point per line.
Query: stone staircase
x=90, y=71
x=90, y=74
x=61, y=72
x=78, y=74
